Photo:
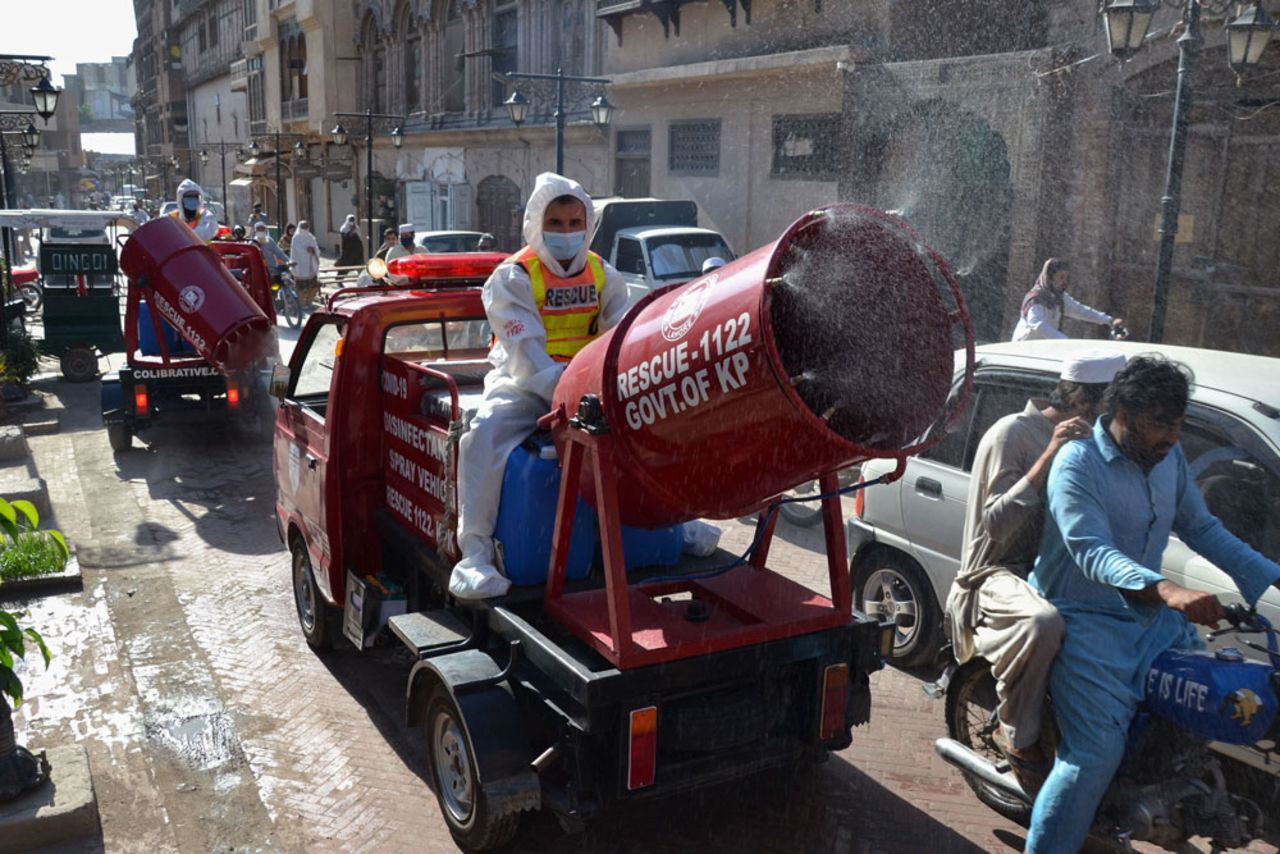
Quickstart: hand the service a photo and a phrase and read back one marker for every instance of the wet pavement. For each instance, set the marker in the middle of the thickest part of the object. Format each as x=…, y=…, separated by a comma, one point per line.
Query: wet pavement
x=211, y=726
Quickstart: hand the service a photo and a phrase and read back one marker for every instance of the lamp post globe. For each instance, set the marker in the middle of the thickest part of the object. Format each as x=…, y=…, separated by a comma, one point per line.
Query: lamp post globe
x=339, y=135
x=601, y=111
x=31, y=136
x=204, y=157
x=517, y=107
x=45, y=97
x=1248, y=36
x=299, y=149
x=397, y=137
x=254, y=148
x=1127, y=25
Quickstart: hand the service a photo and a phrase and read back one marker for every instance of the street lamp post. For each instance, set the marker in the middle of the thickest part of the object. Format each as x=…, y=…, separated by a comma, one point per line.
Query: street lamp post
x=1247, y=36
x=339, y=134
x=222, y=160
x=255, y=150
x=518, y=106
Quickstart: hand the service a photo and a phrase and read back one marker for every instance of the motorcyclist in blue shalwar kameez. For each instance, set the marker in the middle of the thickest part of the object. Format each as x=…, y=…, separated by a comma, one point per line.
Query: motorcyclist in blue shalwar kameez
x=1113, y=500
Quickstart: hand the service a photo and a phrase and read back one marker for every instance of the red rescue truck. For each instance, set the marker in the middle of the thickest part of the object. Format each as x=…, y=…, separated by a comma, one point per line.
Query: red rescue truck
x=616, y=668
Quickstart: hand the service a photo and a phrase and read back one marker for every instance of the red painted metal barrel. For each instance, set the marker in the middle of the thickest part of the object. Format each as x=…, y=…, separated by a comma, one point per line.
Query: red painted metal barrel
x=186, y=283
x=832, y=345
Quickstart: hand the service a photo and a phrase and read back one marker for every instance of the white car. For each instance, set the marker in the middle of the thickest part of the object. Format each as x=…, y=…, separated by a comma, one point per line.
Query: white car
x=906, y=537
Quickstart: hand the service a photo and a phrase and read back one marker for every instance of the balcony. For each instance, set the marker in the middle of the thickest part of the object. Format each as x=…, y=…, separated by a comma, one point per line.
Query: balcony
x=240, y=75
x=257, y=127
x=295, y=110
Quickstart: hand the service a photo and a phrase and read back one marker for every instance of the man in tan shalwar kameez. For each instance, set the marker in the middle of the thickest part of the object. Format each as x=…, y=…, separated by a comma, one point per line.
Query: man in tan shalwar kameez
x=992, y=611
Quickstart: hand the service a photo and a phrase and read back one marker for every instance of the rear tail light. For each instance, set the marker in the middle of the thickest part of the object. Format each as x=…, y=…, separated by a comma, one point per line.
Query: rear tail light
x=140, y=399
x=835, y=696
x=233, y=395
x=860, y=498
x=642, y=752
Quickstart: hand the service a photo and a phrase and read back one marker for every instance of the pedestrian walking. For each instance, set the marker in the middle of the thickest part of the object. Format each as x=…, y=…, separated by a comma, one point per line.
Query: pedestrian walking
x=305, y=254
x=352, y=248
x=287, y=241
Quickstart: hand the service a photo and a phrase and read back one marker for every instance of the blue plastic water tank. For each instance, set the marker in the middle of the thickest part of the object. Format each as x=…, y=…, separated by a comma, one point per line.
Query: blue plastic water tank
x=527, y=518
x=147, y=342
x=660, y=547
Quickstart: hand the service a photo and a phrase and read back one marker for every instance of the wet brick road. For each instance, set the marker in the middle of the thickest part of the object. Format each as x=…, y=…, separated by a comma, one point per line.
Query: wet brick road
x=211, y=726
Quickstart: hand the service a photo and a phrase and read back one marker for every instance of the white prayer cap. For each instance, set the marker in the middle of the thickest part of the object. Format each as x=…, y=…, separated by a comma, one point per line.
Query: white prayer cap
x=406, y=228
x=1092, y=367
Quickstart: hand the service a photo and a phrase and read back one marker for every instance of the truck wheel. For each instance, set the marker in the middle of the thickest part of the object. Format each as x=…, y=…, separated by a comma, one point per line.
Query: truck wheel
x=453, y=776
x=79, y=364
x=971, y=720
x=319, y=622
x=893, y=588
x=120, y=437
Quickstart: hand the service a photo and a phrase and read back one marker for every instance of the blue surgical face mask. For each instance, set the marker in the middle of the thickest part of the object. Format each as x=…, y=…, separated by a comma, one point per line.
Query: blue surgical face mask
x=566, y=245
x=190, y=204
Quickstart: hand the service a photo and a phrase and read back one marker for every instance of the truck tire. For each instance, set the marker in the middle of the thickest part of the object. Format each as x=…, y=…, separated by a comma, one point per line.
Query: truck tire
x=971, y=720
x=454, y=779
x=319, y=622
x=120, y=437
x=892, y=587
x=79, y=364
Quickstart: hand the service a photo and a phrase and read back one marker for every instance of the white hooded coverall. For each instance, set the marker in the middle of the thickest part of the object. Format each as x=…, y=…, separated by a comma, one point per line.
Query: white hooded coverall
x=517, y=391
x=205, y=225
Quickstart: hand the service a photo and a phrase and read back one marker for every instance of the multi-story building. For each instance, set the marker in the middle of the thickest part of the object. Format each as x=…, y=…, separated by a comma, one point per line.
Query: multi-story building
x=159, y=102
x=210, y=36
x=102, y=91
x=463, y=163
x=1002, y=131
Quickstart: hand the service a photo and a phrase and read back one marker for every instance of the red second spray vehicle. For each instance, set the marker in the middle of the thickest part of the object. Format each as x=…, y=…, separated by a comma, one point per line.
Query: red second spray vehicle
x=616, y=668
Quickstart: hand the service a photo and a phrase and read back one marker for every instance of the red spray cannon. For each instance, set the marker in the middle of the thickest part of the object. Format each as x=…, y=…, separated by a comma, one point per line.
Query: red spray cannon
x=829, y=346
x=832, y=345
x=185, y=282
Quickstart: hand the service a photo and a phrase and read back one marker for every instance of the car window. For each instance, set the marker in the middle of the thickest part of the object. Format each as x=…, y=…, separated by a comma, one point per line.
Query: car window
x=629, y=258
x=1238, y=476
x=682, y=256
x=315, y=373
x=993, y=398
x=436, y=339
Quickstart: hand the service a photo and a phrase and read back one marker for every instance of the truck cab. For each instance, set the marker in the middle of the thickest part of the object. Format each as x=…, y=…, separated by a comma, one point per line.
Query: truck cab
x=651, y=258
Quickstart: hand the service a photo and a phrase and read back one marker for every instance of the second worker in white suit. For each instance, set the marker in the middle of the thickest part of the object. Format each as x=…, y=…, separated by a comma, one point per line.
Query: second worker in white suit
x=545, y=303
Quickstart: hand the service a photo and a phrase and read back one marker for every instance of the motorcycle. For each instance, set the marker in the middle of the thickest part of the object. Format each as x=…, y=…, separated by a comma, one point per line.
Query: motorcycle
x=1170, y=786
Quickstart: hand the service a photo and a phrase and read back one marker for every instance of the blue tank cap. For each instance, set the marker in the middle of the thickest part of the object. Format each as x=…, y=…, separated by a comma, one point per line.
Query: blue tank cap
x=1229, y=653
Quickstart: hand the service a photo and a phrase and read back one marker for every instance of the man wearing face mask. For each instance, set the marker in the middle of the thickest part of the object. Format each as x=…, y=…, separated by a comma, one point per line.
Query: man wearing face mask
x=276, y=260
x=544, y=303
x=193, y=213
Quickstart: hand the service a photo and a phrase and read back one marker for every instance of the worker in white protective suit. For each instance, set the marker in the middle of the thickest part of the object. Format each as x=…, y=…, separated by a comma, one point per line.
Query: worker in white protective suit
x=192, y=211
x=545, y=303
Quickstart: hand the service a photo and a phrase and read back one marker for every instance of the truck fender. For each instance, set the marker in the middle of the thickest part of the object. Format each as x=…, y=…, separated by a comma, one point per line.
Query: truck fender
x=493, y=722
x=113, y=411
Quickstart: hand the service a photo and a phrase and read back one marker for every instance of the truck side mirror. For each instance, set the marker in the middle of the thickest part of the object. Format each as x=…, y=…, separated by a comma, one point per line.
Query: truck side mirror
x=279, y=381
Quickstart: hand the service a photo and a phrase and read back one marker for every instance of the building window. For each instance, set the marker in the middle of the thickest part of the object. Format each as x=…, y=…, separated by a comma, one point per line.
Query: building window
x=413, y=71
x=200, y=36
x=214, y=23
x=452, y=92
x=806, y=147
x=694, y=147
x=505, y=52
x=631, y=163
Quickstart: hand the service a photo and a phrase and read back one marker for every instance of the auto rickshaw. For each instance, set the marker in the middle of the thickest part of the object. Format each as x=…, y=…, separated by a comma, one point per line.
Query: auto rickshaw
x=78, y=269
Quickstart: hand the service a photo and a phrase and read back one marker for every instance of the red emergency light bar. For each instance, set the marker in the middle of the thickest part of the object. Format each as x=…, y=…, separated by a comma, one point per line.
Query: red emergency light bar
x=444, y=266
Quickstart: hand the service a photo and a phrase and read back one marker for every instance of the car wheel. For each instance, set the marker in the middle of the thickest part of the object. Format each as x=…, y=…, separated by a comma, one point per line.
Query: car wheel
x=453, y=772
x=893, y=588
x=806, y=514
x=317, y=619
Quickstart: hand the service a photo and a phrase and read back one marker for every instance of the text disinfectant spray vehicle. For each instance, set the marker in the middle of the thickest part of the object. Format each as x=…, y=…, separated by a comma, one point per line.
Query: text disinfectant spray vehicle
x=615, y=668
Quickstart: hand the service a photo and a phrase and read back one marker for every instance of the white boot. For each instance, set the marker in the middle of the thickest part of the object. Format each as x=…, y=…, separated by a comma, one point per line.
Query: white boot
x=475, y=576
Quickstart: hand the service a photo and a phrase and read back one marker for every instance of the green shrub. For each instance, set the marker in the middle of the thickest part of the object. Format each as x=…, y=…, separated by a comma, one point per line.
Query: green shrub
x=21, y=358
x=25, y=551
